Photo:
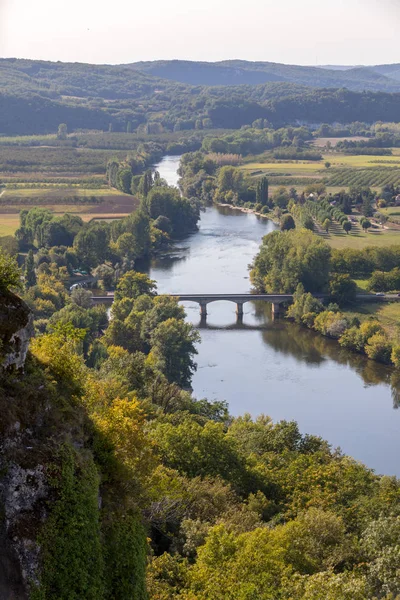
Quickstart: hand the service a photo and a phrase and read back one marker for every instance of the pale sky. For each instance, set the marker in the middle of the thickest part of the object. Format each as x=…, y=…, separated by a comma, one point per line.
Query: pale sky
x=122, y=31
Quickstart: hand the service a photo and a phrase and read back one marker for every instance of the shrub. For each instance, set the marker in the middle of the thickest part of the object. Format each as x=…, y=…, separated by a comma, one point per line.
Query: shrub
x=379, y=348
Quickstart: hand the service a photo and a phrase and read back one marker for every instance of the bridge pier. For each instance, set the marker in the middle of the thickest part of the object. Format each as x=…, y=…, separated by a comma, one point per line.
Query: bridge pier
x=239, y=309
x=203, y=310
x=276, y=308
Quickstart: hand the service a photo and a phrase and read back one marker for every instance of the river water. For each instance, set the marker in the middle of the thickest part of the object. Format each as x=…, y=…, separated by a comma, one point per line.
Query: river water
x=276, y=368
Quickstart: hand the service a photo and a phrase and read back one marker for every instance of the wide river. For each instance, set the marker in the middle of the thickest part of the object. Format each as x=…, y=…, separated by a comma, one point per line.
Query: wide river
x=276, y=368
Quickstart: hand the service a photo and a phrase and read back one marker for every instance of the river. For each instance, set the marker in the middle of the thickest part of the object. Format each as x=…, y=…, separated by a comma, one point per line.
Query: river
x=276, y=368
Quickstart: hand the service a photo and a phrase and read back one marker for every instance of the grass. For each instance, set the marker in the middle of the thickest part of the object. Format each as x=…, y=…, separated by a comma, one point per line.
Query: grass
x=345, y=170
x=358, y=239
x=9, y=224
x=362, y=286
x=391, y=211
x=387, y=313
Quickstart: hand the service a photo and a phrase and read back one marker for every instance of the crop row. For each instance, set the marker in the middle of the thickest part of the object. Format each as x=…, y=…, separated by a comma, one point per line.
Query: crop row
x=375, y=177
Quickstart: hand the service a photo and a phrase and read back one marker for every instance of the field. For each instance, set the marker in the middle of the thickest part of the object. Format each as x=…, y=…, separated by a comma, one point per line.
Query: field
x=8, y=224
x=344, y=171
x=388, y=314
x=59, y=178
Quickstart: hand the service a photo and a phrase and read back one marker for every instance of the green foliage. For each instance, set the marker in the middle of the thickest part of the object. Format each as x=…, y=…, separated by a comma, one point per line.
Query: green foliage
x=125, y=557
x=262, y=191
x=30, y=275
x=166, y=201
x=287, y=222
x=172, y=347
x=10, y=276
x=379, y=348
x=342, y=289
x=289, y=258
x=72, y=558
x=132, y=285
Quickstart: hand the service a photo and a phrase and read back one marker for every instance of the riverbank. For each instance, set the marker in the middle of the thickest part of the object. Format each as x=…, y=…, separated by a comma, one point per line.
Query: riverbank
x=361, y=331
x=251, y=211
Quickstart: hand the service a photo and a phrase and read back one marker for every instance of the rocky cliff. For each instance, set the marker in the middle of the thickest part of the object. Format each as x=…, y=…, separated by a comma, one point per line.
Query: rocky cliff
x=16, y=329
x=20, y=487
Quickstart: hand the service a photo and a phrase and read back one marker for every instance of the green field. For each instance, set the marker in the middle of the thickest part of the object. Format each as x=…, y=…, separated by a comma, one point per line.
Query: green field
x=346, y=170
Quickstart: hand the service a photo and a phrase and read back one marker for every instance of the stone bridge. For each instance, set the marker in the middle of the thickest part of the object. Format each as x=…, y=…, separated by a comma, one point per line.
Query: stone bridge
x=239, y=299
x=204, y=299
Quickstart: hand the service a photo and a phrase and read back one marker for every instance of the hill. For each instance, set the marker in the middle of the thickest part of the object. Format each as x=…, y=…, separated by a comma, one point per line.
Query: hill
x=239, y=72
x=36, y=96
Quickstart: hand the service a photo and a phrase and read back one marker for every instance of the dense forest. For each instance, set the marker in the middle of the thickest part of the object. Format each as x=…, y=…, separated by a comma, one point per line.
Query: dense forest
x=37, y=96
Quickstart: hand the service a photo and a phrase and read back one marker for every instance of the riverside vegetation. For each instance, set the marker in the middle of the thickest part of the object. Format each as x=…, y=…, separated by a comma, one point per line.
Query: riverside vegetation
x=299, y=262
x=194, y=503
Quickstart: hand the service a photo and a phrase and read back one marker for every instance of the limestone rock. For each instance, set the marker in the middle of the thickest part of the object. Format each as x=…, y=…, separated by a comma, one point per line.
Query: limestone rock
x=16, y=329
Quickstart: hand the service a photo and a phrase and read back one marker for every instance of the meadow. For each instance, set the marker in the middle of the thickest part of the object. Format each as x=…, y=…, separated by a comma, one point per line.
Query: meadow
x=344, y=170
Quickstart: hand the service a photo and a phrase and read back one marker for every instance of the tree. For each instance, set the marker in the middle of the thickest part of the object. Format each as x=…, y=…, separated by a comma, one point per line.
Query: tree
x=287, y=222
x=230, y=179
x=105, y=276
x=366, y=208
x=132, y=285
x=366, y=224
x=137, y=224
x=10, y=276
x=126, y=246
x=112, y=172
x=30, y=275
x=9, y=244
x=262, y=191
x=124, y=180
x=172, y=350
x=91, y=243
x=82, y=297
x=342, y=289
x=289, y=258
x=308, y=223
x=166, y=201
x=146, y=183
x=326, y=224
x=347, y=226
x=280, y=198
x=163, y=308
x=62, y=131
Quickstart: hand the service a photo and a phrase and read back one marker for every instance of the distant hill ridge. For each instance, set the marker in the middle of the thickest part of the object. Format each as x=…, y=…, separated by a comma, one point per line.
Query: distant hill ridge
x=384, y=78
x=164, y=96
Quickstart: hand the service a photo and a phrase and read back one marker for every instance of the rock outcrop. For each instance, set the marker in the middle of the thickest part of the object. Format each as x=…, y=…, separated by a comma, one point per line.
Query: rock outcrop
x=20, y=488
x=16, y=329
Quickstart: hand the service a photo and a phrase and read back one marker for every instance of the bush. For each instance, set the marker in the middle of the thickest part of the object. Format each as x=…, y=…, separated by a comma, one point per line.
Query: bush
x=287, y=222
x=379, y=348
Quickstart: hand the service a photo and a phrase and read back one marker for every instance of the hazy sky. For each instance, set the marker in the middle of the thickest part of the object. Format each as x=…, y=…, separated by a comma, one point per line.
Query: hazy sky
x=122, y=31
